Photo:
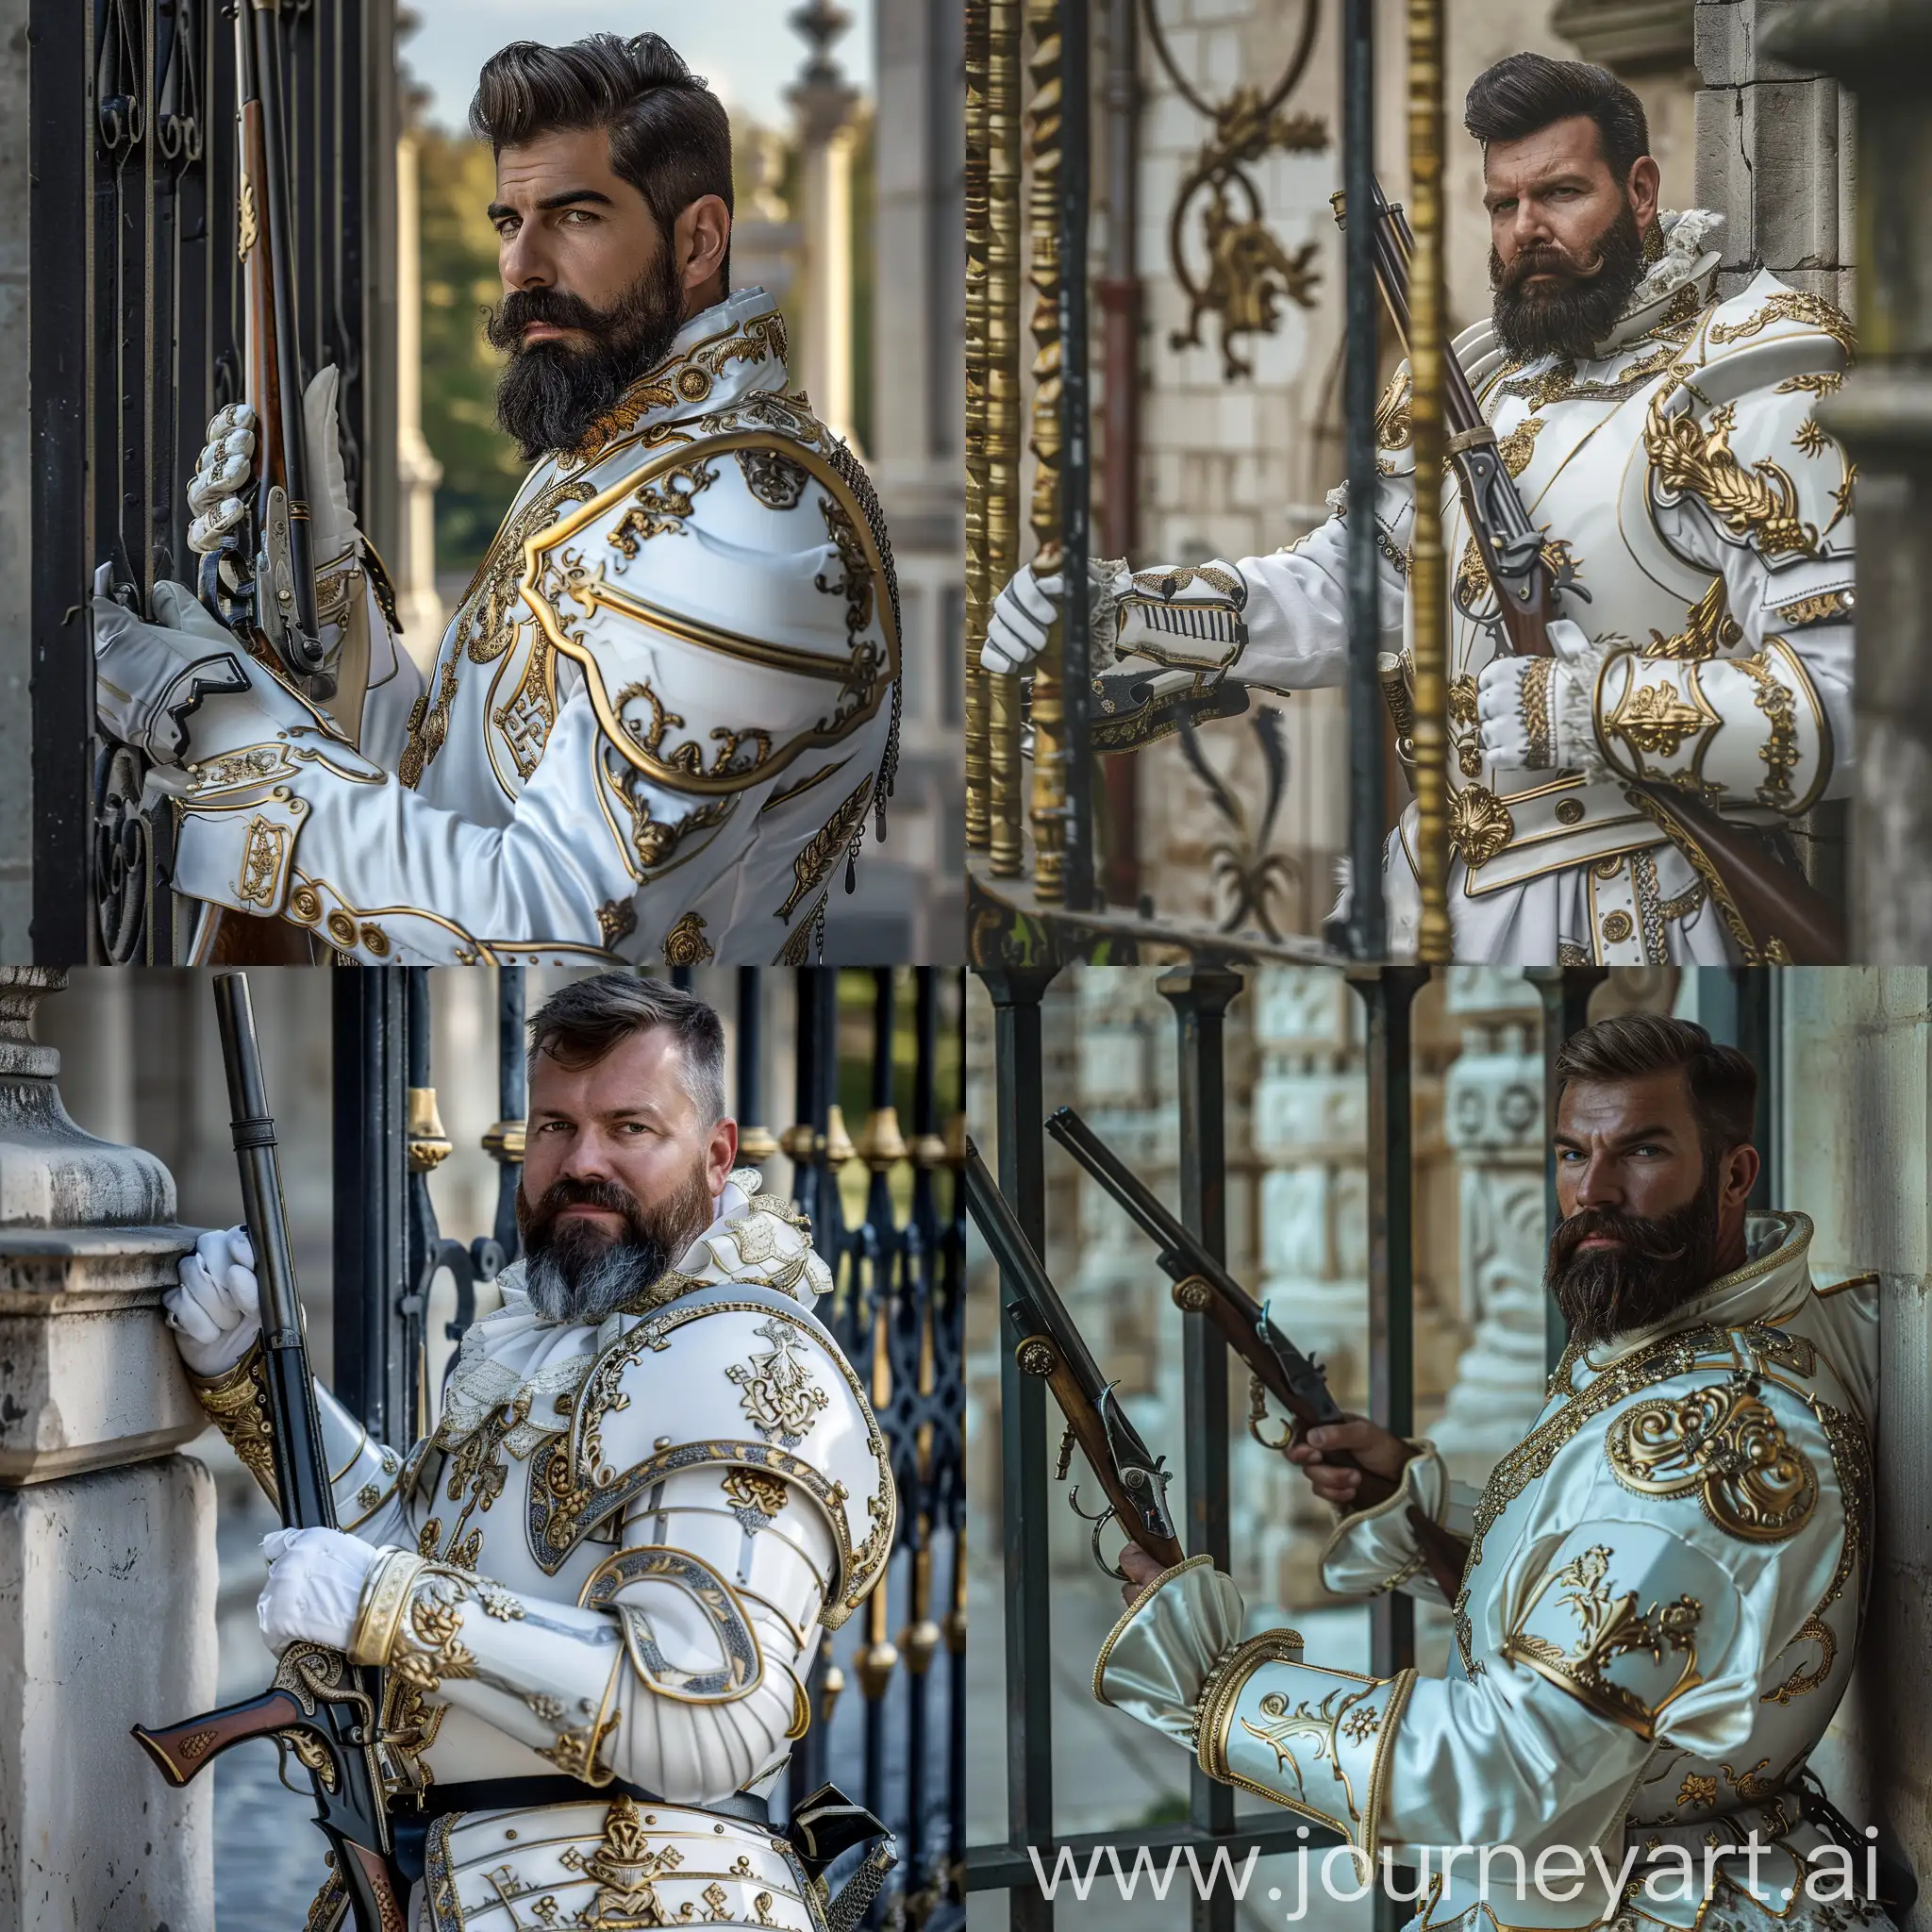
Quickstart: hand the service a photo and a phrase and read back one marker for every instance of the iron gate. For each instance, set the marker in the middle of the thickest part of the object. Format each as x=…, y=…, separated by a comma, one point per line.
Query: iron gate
x=1737, y=1007
x=862, y=1049
x=135, y=340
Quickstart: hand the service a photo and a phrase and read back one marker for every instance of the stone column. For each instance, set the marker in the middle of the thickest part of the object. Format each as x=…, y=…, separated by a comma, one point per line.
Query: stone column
x=107, y=1537
x=418, y=473
x=1493, y=1118
x=824, y=102
x=16, y=487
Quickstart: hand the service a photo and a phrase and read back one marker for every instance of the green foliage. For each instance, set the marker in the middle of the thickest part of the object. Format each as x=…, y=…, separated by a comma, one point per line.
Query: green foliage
x=480, y=466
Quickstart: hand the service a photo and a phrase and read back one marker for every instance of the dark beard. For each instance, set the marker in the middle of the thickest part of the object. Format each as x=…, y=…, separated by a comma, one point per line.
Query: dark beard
x=1570, y=315
x=574, y=1273
x=554, y=390
x=1663, y=1263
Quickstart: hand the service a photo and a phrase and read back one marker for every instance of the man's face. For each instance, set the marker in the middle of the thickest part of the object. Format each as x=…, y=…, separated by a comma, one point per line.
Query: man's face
x=1566, y=237
x=594, y=290
x=1645, y=1219
x=620, y=1174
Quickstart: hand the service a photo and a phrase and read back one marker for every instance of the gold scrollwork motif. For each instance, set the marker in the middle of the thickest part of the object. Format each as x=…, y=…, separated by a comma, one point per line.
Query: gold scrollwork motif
x=261, y=861
x=237, y=1403
x=1339, y=1708
x=1653, y=720
x=820, y=853
x=646, y=723
x=1480, y=824
x=1392, y=413
x=1780, y=750
x=773, y=478
x=1828, y=607
x=1793, y=305
x=617, y=919
x=1248, y=270
x=1609, y=1627
x=1533, y=700
x=1759, y=505
x=427, y=1647
x=664, y=502
x=1710, y=629
x=776, y=1390
x=685, y=944
x=1850, y=1456
x=1725, y=1444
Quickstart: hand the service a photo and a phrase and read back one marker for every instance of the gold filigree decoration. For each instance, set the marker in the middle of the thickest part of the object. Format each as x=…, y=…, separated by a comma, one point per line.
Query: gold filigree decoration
x=1842, y=499
x=1697, y=1788
x=796, y=951
x=1810, y=440
x=1828, y=607
x=754, y=1497
x=1653, y=720
x=261, y=862
x=775, y=1389
x=1780, y=750
x=1392, y=411
x=1759, y=505
x=1850, y=1456
x=247, y=220
x=688, y=377
x=1480, y=824
x=856, y=584
x=685, y=944
x=740, y=753
x=820, y=850
x=1609, y=1627
x=237, y=1403
x=313, y=1755
x=1723, y=1445
x=1827, y=382
x=1282, y=1727
x=663, y=504
x=773, y=478
x=1518, y=447
x=617, y=919
x=1710, y=629
x=427, y=1647
x=1793, y=305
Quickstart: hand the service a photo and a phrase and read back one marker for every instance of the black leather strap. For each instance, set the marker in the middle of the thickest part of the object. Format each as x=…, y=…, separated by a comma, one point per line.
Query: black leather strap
x=409, y=1829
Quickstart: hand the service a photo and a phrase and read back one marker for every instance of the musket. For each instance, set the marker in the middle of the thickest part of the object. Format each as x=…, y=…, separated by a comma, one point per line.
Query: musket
x=259, y=579
x=1202, y=1285
x=321, y=1707
x=1779, y=915
x=1134, y=1478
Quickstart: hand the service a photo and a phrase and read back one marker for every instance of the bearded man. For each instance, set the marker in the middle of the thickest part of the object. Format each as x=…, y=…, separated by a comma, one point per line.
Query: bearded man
x=1697, y=517
x=666, y=709
x=595, y=1588
x=1665, y=1579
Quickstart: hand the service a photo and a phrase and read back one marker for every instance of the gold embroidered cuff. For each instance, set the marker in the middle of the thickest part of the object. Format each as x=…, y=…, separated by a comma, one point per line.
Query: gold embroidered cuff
x=385, y=1594
x=1221, y=1693
x=236, y=1402
x=1533, y=700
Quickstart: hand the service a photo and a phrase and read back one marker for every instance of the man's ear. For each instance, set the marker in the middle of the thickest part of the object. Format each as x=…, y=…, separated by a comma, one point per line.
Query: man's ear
x=1645, y=187
x=721, y=1156
x=701, y=239
x=1741, y=1172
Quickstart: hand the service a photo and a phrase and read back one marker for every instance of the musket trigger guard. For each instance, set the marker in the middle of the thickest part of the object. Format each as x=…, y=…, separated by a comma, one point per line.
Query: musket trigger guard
x=1258, y=1414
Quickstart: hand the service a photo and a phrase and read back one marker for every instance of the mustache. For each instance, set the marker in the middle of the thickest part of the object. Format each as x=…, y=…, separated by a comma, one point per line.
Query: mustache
x=540, y=1217
x=504, y=323
x=1643, y=1240
x=1546, y=258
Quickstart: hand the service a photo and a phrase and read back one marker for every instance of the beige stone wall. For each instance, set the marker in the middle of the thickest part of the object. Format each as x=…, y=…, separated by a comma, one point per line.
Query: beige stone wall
x=1857, y=1047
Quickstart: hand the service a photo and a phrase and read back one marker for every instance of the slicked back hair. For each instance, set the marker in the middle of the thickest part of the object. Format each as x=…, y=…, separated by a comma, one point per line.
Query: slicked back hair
x=1723, y=1084
x=670, y=136
x=582, y=1021
x=1524, y=92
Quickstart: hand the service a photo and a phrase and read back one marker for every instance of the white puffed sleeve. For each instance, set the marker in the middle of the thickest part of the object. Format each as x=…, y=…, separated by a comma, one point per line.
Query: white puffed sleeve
x=1375, y=1549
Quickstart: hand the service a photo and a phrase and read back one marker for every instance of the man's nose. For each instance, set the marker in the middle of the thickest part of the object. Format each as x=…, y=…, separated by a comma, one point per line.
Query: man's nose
x=523, y=263
x=589, y=1159
x=1597, y=1186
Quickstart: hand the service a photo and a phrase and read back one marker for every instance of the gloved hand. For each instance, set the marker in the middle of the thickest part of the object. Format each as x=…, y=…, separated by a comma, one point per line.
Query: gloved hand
x=182, y=686
x=1021, y=615
x=219, y=490
x=314, y=1587
x=1534, y=714
x=216, y=1311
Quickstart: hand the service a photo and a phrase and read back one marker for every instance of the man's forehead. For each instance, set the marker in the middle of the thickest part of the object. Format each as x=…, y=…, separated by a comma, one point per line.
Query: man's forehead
x=1571, y=146
x=1643, y=1100
x=642, y=1072
x=553, y=162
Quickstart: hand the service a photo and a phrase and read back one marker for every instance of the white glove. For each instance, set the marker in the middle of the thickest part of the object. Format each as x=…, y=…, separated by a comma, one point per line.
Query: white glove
x=216, y=1312
x=314, y=1587
x=1021, y=615
x=182, y=686
x=219, y=490
x=1534, y=714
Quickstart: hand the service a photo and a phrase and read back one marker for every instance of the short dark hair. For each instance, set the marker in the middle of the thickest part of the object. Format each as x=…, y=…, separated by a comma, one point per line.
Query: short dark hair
x=1523, y=93
x=1628, y=1046
x=670, y=136
x=582, y=1021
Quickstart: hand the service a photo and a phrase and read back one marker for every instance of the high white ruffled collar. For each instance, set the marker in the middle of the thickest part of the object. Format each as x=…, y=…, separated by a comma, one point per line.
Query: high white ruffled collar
x=1688, y=258
x=514, y=1348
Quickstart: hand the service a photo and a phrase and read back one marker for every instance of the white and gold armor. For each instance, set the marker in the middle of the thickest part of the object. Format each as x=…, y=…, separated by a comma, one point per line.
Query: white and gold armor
x=1656, y=1623
x=611, y=1559
x=1699, y=522
x=658, y=726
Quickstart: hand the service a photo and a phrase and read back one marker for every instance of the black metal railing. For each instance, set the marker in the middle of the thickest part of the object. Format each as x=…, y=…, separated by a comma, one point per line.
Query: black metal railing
x=1736, y=1005
x=136, y=339
x=862, y=1048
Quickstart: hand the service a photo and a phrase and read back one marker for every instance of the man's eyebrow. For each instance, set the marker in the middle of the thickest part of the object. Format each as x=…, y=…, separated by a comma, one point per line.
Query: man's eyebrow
x=1658, y=1132
x=497, y=210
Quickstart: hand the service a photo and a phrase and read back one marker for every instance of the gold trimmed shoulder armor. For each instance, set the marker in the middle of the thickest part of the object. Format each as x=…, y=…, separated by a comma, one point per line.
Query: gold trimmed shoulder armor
x=733, y=1376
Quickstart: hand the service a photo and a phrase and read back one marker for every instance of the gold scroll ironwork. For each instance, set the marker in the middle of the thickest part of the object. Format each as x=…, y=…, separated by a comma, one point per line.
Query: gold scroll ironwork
x=980, y=589
x=1000, y=422
x=1248, y=271
x=1428, y=576
x=1045, y=127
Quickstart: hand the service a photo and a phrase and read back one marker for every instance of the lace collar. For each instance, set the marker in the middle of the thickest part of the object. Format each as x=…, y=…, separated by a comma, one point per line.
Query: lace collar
x=1688, y=262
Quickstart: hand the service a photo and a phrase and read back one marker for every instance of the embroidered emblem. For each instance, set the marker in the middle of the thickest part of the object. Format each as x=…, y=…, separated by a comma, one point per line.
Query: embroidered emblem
x=261, y=862
x=626, y=1870
x=821, y=850
x=754, y=1497
x=776, y=1392
x=773, y=478
x=663, y=501
x=1653, y=720
x=1725, y=1444
x=1480, y=824
x=1759, y=505
x=685, y=944
x=1709, y=629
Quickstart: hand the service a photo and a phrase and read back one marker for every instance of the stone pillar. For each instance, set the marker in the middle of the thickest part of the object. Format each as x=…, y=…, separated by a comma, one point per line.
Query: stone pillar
x=107, y=1537
x=824, y=102
x=418, y=473
x=1493, y=1118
